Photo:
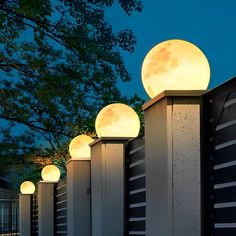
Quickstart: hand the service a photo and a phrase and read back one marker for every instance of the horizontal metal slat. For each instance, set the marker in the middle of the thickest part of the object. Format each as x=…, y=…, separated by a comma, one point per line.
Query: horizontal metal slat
x=136, y=163
x=224, y=232
x=61, y=228
x=140, y=233
x=61, y=194
x=62, y=220
x=225, y=204
x=61, y=224
x=225, y=144
x=61, y=205
x=225, y=185
x=61, y=197
x=137, y=219
x=61, y=190
x=61, y=210
x=137, y=177
x=59, y=217
x=137, y=170
x=137, y=156
x=139, y=204
x=137, y=183
x=225, y=125
x=224, y=225
x=60, y=202
x=136, y=149
x=225, y=165
x=137, y=191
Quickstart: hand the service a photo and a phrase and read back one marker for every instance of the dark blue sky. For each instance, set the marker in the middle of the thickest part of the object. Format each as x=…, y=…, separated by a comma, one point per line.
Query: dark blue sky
x=209, y=24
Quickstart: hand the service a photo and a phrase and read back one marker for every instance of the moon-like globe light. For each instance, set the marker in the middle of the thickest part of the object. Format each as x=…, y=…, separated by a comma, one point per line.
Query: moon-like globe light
x=50, y=173
x=27, y=187
x=79, y=147
x=175, y=65
x=117, y=120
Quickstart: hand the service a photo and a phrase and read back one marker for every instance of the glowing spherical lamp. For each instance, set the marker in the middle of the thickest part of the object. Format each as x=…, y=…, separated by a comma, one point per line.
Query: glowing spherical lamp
x=175, y=65
x=50, y=173
x=117, y=120
x=79, y=147
x=27, y=187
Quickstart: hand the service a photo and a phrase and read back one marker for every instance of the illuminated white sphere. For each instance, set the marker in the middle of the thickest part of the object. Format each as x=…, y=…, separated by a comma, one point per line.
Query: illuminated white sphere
x=175, y=65
x=50, y=173
x=79, y=147
x=27, y=187
x=117, y=120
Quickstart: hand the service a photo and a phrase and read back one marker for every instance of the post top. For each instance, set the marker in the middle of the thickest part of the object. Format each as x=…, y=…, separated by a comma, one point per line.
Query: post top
x=25, y=194
x=47, y=182
x=173, y=93
x=78, y=160
x=110, y=139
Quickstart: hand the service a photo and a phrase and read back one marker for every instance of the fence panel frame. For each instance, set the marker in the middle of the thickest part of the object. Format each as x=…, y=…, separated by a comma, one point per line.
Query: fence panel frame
x=134, y=146
x=209, y=118
x=10, y=201
x=60, y=186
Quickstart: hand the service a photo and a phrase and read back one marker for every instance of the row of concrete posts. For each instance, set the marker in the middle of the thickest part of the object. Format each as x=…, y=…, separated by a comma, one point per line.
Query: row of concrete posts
x=96, y=187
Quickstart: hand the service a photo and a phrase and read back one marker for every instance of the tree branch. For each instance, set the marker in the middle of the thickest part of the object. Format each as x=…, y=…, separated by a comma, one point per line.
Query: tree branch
x=40, y=24
x=27, y=73
x=14, y=65
x=59, y=21
x=47, y=138
x=28, y=124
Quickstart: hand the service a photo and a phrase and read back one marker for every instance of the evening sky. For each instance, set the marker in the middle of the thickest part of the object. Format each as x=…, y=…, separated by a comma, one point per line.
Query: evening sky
x=209, y=24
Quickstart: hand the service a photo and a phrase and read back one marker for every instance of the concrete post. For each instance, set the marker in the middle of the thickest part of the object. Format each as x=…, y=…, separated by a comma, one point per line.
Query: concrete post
x=107, y=182
x=78, y=198
x=172, y=145
x=46, y=208
x=25, y=214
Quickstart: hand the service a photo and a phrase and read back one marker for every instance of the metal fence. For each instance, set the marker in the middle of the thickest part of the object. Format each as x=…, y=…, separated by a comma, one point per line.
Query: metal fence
x=136, y=191
x=219, y=160
x=34, y=223
x=218, y=166
x=61, y=208
x=9, y=213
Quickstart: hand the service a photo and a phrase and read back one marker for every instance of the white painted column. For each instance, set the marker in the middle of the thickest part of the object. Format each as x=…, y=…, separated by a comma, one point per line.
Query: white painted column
x=46, y=208
x=172, y=145
x=78, y=197
x=107, y=185
x=25, y=214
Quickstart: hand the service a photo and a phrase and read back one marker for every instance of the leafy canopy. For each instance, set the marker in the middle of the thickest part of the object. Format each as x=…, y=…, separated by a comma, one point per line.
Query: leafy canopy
x=60, y=62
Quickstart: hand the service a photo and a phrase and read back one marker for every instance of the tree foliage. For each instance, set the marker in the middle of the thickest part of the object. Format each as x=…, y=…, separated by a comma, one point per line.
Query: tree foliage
x=60, y=62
